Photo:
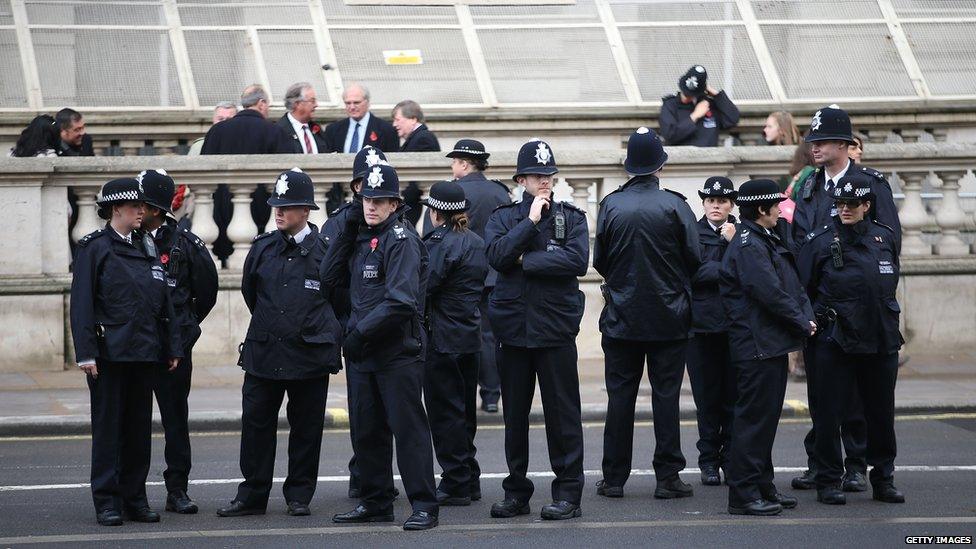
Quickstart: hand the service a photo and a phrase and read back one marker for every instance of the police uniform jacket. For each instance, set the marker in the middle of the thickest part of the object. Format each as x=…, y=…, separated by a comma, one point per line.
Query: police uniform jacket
x=677, y=128
x=457, y=277
x=706, y=310
x=485, y=196
x=331, y=232
x=536, y=301
x=293, y=332
x=246, y=133
x=121, y=309
x=647, y=251
x=769, y=313
x=860, y=288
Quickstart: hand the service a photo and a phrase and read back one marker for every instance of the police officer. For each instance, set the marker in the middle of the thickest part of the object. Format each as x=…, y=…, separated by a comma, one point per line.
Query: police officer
x=850, y=270
x=457, y=275
x=192, y=278
x=384, y=264
x=696, y=114
x=122, y=323
x=647, y=251
x=769, y=316
x=709, y=368
x=539, y=247
x=292, y=345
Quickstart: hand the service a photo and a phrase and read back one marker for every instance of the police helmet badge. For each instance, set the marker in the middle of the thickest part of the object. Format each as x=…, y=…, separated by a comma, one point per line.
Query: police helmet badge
x=281, y=186
x=375, y=178
x=542, y=154
x=815, y=123
x=717, y=186
x=691, y=82
x=372, y=158
x=848, y=187
x=139, y=177
x=642, y=130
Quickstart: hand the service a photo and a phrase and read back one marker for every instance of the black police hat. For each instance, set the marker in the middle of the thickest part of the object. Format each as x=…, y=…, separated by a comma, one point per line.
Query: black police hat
x=366, y=158
x=469, y=148
x=830, y=124
x=761, y=192
x=293, y=188
x=381, y=182
x=535, y=157
x=853, y=188
x=694, y=82
x=447, y=196
x=645, y=152
x=117, y=191
x=159, y=188
x=718, y=187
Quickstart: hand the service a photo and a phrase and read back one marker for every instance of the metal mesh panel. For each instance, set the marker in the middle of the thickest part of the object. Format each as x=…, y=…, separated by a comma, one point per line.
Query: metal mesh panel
x=218, y=15
x=338, y=13
x=946, y=55
x=724, y=51
x=290, y=56
x=92, y=13
x=555, y=66
x=806, y=9
x=222, y=63
x=584, y=11
x=95, y=67
x=445, y=76
x=12, y=91
x=6, y=16
x=637, y=11
x=863, y=62
x=935, y=8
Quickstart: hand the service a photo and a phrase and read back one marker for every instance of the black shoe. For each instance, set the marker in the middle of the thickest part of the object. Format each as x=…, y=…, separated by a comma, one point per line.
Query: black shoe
x=561, y=510
x=831, y=495
x=607, y=491
x=788, y=502
x=141, y=514
x=362, y=514
x=297, y=509
x=421, y=520
x=804, y=481
x=509, y=508
x=759, y=508
x=853, y=481
x=178, y=502
x=672, y=488
x=447, y=500
x=887, y=493
x=109, y=517
x=238, y=509
x=490, y=407
x=710, y=476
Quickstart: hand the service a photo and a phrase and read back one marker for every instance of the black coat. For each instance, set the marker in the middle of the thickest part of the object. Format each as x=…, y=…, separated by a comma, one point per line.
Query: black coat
x=706, y=306
x=861, y=291
x=420, y=140
x=768, y=311
x=121, y=310
x=379, y=133
x=246, y=133
x=331, y=232
x=85, y=149
x=677, y=128
x=485, y=196
x=293, y=332
x=647, y=250
x=294, y=140
x=536, y=302
x=457, y=277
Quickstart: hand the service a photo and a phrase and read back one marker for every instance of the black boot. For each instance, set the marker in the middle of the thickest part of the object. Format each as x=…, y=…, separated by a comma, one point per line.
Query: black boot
x=109, y=517
x=853, y=481
x=673, y=487
x=831, y=495
x=607, y=491
x=804, y=481
x=509, y=508
x=759, y=508
x=710, y=476
x=178, y=502
x=887, y=493
x=561, y=510
x=421, y=520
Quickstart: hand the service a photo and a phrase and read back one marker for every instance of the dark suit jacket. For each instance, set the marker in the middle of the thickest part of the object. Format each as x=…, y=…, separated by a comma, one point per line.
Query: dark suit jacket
x=246, y=133
x=420, y=140
x=379, y=133
x=293, y=138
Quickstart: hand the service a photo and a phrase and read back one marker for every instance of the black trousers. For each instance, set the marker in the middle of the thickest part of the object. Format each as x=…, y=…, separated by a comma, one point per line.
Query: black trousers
x=488, y=370
x=853, y=430
x=624, y=368
x=451, y=396
x=872, y=378
x=121, y=413
x=387, y=404
x=556, y=370
x=713, y=386
x=172, y=389
x=262, y=399
x=760, y=390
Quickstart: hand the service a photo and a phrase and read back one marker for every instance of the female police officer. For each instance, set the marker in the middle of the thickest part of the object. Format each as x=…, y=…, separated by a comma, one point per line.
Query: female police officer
x=850, y=270
x=458, y=267
x=118, y=279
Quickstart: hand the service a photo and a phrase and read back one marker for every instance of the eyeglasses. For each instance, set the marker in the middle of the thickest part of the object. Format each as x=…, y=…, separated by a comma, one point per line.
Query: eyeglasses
x=848, y=205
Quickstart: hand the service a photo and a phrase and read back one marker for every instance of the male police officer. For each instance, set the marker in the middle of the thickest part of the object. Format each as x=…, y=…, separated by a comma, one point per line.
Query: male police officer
x=697, y=113
x=292, y=346
x=539, y=247
x=192, y=278
x=647, y=251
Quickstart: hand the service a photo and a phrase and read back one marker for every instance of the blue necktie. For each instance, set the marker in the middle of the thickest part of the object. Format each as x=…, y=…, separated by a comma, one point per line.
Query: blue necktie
x=354, y=142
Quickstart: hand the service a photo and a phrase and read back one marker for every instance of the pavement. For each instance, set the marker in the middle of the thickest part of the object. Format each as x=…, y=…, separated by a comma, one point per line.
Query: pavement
x=51, y=403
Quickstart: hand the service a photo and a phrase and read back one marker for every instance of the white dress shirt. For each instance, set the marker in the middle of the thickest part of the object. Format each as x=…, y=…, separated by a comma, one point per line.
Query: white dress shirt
x=301, y=130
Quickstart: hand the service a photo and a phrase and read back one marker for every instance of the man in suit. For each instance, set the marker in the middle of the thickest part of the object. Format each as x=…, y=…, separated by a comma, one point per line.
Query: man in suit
x=361, y=128
x=306, y=136
x=408, y=119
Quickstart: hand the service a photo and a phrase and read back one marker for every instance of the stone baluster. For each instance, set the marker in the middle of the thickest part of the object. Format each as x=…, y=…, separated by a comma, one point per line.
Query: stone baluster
x=950, y=216
x=203, y=220
x=912, y=215
x=319, y=216
x=241, y=230
x=88, y=219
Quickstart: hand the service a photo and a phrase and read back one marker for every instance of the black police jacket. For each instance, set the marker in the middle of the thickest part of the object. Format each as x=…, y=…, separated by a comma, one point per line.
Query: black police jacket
x=536, y=301
x=331, y=232
x=647, y=251
x=385, y=268
x=457, y=277
x=850, y=273
x=814, y=209
x=293, y=332
x=707, y=316
x=677, y=128
x=121, y=309
x=191, y=276
x=769, y=313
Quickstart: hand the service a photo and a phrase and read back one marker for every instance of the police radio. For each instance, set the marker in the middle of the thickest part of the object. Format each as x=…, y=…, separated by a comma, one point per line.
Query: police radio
x=835, y=254
x=559, y=222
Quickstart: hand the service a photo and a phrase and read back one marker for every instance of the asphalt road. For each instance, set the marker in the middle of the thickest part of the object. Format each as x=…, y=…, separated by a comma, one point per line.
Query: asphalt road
x=43, y=499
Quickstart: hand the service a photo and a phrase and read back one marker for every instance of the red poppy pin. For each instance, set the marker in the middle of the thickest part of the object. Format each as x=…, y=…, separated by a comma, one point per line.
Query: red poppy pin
x=373, y=136
x=373, y=243
x=164, y=258
x=316, y=128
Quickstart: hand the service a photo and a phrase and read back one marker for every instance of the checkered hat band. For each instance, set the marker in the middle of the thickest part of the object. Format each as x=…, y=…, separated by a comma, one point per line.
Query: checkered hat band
x=862, y=191
x=116, y=197
x=447, y=206
x=469, y=151
x=759, y=197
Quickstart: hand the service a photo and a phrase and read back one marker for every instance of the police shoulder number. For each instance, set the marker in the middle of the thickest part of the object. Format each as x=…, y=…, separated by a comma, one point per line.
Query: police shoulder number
x=91, y=236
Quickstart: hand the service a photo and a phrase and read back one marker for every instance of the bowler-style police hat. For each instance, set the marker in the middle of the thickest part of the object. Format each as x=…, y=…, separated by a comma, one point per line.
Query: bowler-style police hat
x=694, y=82
x=469, y=148
x=535, y=157
x=830, y=124
x=718, y=187
x=853, y=188
x=118, y=191
x=448, y=197
x=381, y=181
x=761, y=192
x=159, y=189
x=645, y=152
x=293, y=188
x=366, y=158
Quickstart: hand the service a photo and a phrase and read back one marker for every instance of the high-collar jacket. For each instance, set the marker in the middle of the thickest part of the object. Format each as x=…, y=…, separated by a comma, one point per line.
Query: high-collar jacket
x=457, y=277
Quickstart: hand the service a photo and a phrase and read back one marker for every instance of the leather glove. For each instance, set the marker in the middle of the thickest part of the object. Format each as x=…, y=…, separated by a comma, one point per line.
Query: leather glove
x=355, y=217
x=353, y=346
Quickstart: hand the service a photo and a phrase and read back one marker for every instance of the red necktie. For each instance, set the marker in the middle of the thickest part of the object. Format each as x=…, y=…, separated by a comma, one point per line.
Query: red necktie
x=308, y=142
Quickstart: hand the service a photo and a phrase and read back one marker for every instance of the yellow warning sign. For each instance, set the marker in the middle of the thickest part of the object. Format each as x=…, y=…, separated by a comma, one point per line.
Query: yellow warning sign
x=403, y=57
